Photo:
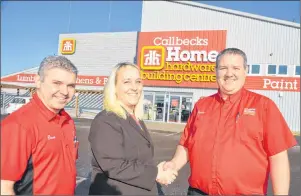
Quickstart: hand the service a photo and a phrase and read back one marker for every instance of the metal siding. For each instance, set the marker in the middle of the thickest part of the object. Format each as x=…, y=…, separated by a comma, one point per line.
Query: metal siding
x=288, y=104
x=257, y=38
x=97, y=53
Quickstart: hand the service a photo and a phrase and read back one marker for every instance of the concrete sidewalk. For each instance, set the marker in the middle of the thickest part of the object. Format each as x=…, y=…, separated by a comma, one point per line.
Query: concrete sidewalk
x=155, y=126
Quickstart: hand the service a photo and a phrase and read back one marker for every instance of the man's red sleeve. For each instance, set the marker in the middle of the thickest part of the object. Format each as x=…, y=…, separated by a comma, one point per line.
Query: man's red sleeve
x=184, y=140
x=16, y=148
x=277, y=135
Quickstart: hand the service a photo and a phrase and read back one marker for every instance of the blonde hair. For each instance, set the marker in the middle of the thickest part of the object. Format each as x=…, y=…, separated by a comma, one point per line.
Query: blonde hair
x=111, y=103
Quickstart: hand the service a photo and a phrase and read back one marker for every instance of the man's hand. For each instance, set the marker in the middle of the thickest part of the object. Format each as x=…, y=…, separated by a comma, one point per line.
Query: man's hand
x=7, y=187
x=165, y=176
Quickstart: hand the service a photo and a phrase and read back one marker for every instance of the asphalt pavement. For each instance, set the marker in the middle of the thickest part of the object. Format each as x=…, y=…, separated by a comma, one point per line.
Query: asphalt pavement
x=165, y=144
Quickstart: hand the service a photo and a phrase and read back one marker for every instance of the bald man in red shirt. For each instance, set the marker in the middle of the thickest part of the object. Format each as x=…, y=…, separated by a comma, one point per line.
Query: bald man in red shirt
x=235, y=138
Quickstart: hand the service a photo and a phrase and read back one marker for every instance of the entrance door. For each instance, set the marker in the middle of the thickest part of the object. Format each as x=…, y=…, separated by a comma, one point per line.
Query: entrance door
x=174, y=109
x=159, y=105
x=148, y=107
x=186, y=108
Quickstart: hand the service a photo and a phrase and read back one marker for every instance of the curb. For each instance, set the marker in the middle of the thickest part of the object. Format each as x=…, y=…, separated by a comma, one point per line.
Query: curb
x=161, y=131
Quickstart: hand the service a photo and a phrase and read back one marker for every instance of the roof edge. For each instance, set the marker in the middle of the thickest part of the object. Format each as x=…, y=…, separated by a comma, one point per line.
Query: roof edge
x=239, y=13
x=19, y=72
x=97, y=33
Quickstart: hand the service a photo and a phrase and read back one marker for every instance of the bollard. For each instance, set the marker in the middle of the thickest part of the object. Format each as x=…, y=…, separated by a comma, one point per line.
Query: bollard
x=76, y=104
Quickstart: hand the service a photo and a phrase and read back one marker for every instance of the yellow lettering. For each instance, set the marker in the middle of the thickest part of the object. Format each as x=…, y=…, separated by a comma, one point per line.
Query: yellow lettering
x=190, y=72
x=193, y=77
x=186, y=77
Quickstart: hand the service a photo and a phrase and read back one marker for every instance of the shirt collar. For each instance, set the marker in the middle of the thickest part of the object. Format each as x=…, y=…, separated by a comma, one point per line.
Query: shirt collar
x=50, y=115
x=232, y=98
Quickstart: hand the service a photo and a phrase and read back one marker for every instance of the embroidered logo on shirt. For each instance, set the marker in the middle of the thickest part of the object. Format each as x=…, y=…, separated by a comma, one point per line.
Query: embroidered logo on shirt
x=201, y=112
x=50, y=137
x=250, y=111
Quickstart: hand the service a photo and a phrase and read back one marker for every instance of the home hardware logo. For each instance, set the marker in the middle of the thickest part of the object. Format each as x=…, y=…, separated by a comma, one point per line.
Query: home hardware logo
x=175, y=64
x=68, y=46
x=152, y=57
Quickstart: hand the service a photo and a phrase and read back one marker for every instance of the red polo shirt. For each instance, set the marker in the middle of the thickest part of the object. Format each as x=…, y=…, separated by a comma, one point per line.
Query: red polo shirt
x=229, y=142
x=39, y=150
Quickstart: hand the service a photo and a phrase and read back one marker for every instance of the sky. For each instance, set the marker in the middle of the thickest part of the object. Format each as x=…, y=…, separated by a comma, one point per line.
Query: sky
x=30, y=29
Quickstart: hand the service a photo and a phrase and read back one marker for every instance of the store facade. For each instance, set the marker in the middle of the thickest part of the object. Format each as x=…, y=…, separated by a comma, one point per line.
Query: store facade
x=176, y=53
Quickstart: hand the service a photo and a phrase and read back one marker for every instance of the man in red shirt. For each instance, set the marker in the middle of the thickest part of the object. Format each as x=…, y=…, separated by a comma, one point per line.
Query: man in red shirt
x=235, y=138
x=39, y=145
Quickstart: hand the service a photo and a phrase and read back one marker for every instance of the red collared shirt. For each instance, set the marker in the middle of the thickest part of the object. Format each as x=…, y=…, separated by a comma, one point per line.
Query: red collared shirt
x=229, y=142
x=33, y=136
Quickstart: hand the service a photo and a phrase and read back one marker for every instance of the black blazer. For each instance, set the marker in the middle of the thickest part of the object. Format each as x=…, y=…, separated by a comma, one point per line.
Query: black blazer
x=122, y=159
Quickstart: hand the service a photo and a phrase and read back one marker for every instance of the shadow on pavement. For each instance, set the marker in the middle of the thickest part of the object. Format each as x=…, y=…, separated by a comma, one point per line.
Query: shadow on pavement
x=83, y=187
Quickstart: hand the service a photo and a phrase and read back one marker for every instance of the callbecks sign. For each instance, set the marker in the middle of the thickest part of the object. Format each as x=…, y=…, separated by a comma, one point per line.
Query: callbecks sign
x=252, y=82
x=180, y=58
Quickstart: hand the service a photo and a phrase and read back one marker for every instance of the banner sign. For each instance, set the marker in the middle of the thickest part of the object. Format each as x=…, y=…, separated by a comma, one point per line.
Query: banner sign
x=252, y=82
x=81, y=80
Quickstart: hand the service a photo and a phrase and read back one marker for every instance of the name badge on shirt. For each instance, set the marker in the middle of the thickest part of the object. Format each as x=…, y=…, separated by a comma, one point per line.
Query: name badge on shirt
x=250, y=111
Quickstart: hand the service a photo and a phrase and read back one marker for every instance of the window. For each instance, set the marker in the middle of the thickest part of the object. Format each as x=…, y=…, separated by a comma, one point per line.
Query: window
x=272, y=69
x=297, y=70
x=282, y=70
x=277, y=70
x=255, y=69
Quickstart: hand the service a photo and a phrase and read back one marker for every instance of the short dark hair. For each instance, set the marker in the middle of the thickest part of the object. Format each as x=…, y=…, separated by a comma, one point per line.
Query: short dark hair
x=235, y=51
x=56, y=61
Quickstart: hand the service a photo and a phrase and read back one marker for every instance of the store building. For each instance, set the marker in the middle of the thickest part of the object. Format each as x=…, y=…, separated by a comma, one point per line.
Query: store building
x=176, y=51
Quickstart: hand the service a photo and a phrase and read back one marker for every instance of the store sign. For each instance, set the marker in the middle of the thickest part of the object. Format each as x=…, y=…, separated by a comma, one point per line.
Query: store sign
x=81, y=80
x=67, y=46
x=273, y=83
x=180, y=58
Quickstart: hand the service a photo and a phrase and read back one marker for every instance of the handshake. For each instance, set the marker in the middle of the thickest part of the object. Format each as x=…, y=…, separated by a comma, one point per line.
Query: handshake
x=167, y=172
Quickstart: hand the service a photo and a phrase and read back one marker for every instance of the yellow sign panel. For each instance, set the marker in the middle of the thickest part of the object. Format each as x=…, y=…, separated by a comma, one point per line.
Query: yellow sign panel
x=152, y=57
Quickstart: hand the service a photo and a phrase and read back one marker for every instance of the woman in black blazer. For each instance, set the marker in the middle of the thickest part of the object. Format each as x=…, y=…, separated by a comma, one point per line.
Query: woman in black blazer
x=121, y=145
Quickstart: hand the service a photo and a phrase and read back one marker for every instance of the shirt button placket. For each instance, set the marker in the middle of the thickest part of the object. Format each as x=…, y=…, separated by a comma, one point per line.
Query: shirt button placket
x=214, y=164
x=214, y=180
x=220, y=128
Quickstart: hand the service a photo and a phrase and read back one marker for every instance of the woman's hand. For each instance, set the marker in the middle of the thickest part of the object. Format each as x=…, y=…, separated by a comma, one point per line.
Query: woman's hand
x=165, y=177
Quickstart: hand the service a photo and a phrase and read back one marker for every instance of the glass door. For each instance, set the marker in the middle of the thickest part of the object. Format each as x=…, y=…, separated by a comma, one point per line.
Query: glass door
x=186, y=108
x=174, y=109
x=159, y=107
x=148, y=108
